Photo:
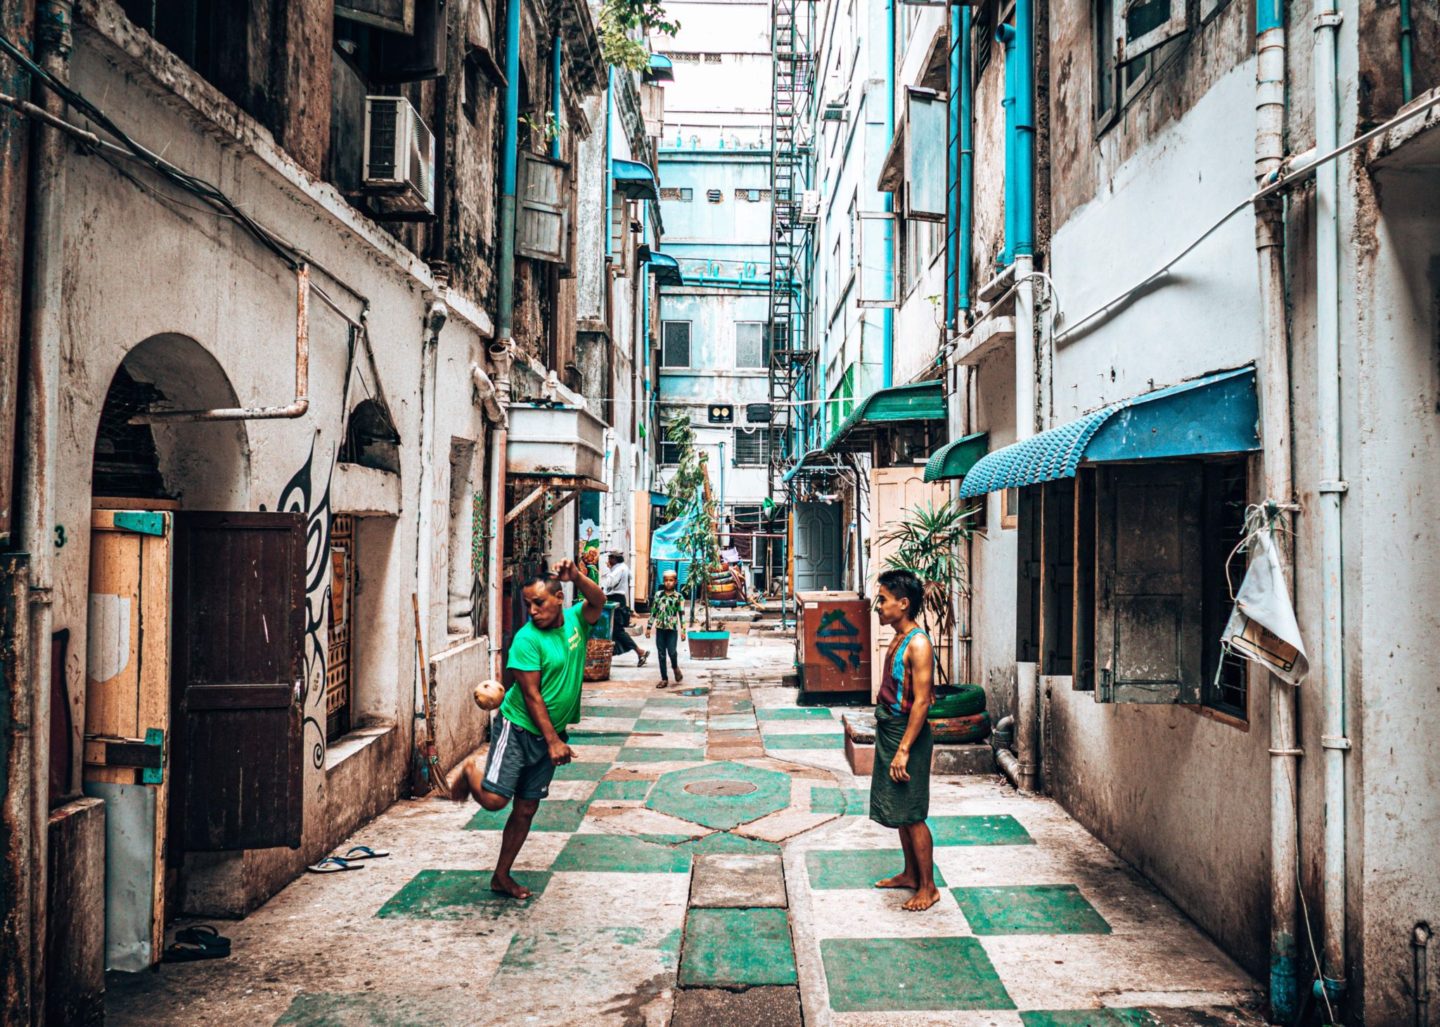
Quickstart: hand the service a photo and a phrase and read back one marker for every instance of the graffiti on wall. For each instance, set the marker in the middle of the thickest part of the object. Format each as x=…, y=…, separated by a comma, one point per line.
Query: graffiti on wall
x=834, y=627
x=298, y=496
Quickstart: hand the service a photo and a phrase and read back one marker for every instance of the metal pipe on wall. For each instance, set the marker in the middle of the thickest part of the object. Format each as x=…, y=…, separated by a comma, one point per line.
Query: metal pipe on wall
x=1330, y=487
x=509, y=164
x=435, y=318
x=557, y=49
x=1275, y=423
x=44, y=302
x=887, y=316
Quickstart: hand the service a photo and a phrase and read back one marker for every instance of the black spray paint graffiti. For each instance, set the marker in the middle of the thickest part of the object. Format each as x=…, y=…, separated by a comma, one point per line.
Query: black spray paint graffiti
x=296, y=498
x=835, y=624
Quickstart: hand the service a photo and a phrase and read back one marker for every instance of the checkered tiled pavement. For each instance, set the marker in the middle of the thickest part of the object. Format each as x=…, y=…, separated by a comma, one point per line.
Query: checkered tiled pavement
x=1038, y=924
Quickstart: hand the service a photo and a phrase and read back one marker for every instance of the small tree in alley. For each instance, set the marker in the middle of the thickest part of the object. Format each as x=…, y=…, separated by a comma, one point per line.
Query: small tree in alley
x=690, y=499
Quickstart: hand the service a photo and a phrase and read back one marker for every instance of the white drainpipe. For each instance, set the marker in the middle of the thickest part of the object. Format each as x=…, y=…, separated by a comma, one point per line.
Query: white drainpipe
x=435, y=317
x=1330, y=488
x=1027, y=675
x=1275, y=421
x=495, y=509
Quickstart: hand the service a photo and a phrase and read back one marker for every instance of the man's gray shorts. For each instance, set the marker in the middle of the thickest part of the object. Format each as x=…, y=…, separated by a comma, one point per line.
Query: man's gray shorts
x=519, y=765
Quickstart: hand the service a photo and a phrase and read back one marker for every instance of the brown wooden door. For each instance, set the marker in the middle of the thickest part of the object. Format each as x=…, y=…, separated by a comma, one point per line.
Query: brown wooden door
x=239, y=629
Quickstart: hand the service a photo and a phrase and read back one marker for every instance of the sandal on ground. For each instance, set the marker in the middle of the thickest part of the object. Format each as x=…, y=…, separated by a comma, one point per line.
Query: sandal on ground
x=644, y=658
x=332, y=865
x=663, y=684
x=360, y=852
x=194, y=943
x=679, y=675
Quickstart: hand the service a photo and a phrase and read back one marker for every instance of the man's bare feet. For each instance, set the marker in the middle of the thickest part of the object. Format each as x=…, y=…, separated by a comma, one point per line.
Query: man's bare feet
x=898, y=881
x=504, y=884
x=923, y=900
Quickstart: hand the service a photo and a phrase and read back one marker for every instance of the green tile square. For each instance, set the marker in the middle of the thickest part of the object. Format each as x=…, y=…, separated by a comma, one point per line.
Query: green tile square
x=737, y=948
x=582, y=770
x=983, y=830
x=1029, y=909
x=834, y=740
x=830, y=869
x=578, y=737
x=794, y=713
x=625, y=791
x=866, y=974
x=610, y=708
x=553, y=815
x=1105, y=1018
x=669, y=726
x=454, y=894
x=640, y=754
x=850, y=802
x=619, y=854
x=368, y=1009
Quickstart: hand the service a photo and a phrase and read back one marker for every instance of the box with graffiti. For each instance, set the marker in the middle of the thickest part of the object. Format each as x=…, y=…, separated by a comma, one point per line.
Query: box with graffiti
x=834, y=633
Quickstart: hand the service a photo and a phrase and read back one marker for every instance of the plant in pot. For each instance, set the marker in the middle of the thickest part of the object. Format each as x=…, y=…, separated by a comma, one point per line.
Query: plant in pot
x=930, y=544
x=689, y=491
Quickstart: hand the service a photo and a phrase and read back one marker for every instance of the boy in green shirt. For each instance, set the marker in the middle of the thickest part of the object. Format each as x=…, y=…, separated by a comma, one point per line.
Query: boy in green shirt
x=548, y=658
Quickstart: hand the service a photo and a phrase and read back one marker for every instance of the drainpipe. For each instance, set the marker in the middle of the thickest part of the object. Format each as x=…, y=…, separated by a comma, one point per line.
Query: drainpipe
x=1420, y=982
x=609, y=162
x=556, y=95
x=509, y=162
x=499, y=444
x=44, y=300
x=1005, y=35
x=1330, y=488
x=887, y=316
x=435, y=317
x=1275, y=422
x=1407, y=54
x=967, y=163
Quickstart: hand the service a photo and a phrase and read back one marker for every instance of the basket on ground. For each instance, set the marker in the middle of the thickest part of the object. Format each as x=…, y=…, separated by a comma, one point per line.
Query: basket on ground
x=598, y=652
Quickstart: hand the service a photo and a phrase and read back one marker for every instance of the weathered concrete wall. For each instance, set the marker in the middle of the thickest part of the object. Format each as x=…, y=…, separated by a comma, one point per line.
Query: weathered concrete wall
x=223, y=304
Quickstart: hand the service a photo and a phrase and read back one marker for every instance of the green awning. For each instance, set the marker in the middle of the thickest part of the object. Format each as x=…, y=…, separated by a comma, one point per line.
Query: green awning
x=923, y=401
x=954, y=459
x=634, y=180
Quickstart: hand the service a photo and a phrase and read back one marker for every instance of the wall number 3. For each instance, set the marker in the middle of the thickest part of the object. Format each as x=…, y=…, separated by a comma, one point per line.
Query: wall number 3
x=60, y=536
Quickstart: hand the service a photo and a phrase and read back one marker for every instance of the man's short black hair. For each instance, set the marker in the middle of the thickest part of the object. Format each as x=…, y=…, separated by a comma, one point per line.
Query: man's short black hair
x=903, y=584
x=616, y=557
x=551, y=583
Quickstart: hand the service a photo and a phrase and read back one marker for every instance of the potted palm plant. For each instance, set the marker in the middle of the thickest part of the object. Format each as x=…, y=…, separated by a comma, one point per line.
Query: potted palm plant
x=929, y=543
x=689, y=491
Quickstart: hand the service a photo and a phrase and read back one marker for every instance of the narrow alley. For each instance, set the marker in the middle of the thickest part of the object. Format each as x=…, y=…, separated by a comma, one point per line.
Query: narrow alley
x=707, y=861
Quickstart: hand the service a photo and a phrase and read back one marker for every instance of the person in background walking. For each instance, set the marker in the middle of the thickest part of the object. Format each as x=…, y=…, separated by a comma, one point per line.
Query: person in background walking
x=667, y=617
x=615, y=583
x=900, y=783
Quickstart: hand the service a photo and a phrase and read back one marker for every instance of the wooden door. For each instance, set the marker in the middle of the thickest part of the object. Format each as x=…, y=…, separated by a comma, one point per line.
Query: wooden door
x=127, y=713
x=894, y=492
x=239, y=633
x=1148, y=563
x=817, y=547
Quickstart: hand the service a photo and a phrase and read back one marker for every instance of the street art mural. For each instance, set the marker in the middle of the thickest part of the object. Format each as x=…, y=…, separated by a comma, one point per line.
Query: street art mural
x=830, y=639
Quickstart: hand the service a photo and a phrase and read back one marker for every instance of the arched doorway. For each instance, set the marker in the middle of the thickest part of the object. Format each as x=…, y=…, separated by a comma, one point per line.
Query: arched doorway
x=194, y=639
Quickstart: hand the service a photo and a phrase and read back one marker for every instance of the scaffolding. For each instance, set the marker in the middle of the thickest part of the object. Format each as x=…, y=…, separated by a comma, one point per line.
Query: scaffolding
x=793, y=212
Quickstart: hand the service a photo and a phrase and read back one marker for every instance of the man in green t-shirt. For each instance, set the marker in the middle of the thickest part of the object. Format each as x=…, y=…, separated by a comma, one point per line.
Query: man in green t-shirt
x=529, y=740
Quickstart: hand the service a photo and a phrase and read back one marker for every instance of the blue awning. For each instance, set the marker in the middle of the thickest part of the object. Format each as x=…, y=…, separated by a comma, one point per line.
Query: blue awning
x=1212, y=415
x=665, y=268
x=634, y=180
x=659, y=499
x=661, y=69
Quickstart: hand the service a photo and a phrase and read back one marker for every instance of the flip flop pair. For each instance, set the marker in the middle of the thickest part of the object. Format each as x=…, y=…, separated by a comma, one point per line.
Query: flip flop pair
x=346, y=861
x=199, y=942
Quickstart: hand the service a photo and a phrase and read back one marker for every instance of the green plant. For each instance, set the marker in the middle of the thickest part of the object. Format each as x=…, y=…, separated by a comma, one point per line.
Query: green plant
x=544, y=126
x=616, y=22
x=928, y=543
x=689, y=491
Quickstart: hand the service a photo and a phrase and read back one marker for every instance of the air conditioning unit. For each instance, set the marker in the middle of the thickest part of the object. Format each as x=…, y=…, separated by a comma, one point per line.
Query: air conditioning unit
x=810, y=206
x=399, y=170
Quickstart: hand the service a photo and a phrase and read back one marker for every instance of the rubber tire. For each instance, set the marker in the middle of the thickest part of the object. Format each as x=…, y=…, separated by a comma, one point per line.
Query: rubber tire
x=957, y=701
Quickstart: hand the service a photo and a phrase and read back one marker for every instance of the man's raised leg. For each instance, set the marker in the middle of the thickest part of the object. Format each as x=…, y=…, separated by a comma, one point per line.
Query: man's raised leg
x=517, y=829
x=922, y=851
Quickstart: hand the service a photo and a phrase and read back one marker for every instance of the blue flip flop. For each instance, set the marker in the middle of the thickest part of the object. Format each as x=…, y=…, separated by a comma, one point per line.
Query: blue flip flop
x=362, y=852
x=332, y=865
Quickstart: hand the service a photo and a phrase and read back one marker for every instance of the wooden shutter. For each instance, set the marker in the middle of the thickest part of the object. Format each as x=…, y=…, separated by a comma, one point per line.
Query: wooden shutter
x=238, y=659
x=1057, y=580
x=1027, y=585
x=542, y=214
x=1082, y=662
x=417, y=55
x=1148, y=606
x=390, y=15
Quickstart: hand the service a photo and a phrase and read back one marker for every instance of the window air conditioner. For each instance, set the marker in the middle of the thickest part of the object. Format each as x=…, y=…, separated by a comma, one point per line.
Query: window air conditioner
x=810, y=206
x=399, y=157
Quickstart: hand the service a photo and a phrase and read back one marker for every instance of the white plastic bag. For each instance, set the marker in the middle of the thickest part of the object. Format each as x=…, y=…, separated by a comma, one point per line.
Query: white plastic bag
x=1262, y=626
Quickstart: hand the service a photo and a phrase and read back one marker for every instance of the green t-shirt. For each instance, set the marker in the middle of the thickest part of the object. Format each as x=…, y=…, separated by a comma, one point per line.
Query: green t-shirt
x=559, y=655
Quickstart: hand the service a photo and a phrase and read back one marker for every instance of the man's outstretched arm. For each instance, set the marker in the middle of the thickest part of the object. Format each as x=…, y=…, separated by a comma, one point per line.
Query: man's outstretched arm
x=594, y=597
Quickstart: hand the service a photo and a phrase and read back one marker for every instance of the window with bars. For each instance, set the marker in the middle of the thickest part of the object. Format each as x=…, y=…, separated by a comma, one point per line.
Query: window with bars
x=675, y=344
x=667, y=451
x=752, y=446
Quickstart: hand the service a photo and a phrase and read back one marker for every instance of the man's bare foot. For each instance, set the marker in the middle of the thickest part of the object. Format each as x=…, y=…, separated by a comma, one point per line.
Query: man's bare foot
x=465, y=781
x=504, y=884
x=923, y=900
x=898, y=881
